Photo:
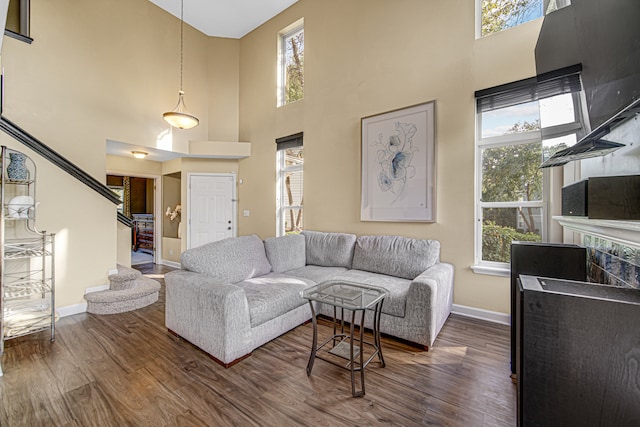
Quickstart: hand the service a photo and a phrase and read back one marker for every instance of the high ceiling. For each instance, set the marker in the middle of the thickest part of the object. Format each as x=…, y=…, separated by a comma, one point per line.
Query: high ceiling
x=225, y=18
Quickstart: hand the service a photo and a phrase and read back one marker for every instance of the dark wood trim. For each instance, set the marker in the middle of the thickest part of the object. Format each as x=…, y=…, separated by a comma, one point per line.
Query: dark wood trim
x=508, y=87
x=39, y=147
x=218, y=361
x=125, y=220
x=290, y=141
x=18, y=36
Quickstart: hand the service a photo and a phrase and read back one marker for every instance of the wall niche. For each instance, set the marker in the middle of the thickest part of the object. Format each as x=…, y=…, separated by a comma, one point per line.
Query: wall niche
x=171, y=204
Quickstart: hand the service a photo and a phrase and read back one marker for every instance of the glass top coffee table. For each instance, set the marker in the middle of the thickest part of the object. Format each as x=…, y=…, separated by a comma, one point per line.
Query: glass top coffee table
x=342, y=349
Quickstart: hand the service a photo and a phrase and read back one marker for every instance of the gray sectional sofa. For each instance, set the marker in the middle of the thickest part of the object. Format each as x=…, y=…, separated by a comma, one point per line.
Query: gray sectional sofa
x=234, y=295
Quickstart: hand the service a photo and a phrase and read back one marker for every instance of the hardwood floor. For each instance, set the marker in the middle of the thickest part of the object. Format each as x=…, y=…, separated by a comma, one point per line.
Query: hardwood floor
x=127, y=370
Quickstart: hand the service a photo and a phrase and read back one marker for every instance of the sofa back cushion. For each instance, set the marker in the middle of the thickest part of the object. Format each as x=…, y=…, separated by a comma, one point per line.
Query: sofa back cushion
x=329, y=249
x=286, y=252
x=232, y=260
x=395, y=255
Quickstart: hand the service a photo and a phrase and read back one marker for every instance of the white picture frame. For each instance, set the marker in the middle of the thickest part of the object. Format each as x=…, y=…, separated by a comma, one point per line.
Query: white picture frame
x=399, y=165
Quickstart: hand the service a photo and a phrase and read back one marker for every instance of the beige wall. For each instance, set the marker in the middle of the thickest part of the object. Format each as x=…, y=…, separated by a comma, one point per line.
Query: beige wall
x=365, y=57
x=171, y=249
x=223, y=79
x=111, y=74
x=83, y=221
x=123, y=252
x=99, y=70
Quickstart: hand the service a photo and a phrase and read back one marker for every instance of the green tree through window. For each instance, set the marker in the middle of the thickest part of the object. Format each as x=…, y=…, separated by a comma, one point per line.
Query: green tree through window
x=294, y=66
x=510, y=173
x=498, y=15
x=517, y=126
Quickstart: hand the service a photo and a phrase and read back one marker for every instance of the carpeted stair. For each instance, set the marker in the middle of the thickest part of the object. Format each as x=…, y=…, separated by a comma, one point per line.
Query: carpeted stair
x=128, y=290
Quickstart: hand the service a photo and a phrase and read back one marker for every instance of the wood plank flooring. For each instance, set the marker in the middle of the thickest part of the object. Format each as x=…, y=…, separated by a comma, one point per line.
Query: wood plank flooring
x=127, y=370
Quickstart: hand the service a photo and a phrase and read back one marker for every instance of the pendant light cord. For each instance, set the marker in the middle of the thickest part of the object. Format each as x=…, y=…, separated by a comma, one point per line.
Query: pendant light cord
x=180, y=117
x=181, y=38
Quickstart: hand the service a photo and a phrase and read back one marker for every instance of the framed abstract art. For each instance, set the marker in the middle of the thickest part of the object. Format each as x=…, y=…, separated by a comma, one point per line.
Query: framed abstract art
x=399, y=165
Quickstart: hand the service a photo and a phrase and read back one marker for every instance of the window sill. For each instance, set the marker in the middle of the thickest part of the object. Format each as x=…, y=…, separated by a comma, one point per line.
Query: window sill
x=491, y=271
x=18, y=36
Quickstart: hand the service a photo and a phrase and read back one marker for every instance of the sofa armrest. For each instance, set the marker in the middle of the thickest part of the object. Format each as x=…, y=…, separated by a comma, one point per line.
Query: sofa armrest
x=209, y=313
x=430, y=298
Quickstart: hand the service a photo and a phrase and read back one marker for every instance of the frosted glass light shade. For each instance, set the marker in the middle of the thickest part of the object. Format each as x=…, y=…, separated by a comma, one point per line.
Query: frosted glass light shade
x=180, y=117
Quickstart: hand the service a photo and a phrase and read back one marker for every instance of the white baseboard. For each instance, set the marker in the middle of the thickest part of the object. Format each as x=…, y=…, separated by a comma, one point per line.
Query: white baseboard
x=172, y=264
x=70, y=310
x=478, y=313
x=96, y=289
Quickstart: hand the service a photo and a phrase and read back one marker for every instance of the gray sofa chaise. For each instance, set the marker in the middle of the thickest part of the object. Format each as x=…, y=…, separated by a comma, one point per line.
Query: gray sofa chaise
x=236, y=294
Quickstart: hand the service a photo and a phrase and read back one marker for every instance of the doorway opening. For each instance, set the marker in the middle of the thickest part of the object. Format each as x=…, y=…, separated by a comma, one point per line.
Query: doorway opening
x=138, y=203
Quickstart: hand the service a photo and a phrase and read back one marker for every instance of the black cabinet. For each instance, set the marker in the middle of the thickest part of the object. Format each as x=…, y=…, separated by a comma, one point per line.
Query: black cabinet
x=561, y=261
x=605, y=197
x=580, y=354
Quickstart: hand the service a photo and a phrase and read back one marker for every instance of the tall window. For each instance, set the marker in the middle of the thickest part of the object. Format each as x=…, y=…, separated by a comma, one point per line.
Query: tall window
x=291, y=59
x=289, y=197
x=519, y=126
x=18, y=20
x=498, y=15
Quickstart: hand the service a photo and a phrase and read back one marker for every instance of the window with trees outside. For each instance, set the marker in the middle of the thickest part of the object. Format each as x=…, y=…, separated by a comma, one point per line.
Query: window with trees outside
x=291, y=70
x=498, y=15
x=289, y=190
x=518, y=127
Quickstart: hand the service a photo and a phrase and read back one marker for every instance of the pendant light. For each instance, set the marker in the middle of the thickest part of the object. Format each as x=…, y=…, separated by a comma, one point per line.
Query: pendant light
x=180, y=117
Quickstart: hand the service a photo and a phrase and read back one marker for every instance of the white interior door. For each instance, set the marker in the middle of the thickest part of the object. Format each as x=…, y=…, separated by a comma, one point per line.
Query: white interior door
x=211, y=208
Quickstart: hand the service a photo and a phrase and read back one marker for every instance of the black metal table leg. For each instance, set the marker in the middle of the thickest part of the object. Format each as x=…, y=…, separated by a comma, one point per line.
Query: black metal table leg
x=352, y=297
x=376, y=331
x=314, y=344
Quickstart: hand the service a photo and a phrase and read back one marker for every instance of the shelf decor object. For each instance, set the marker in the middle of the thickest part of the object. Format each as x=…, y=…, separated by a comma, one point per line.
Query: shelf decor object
x=27, y=276
x=17, y=170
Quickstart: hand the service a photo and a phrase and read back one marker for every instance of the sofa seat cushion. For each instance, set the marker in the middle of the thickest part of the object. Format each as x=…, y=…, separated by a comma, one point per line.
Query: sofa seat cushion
x=395, y=255
x=329, y=249
x=395, y=302
x=229, y=260
x=272, y=295
x=316, y=273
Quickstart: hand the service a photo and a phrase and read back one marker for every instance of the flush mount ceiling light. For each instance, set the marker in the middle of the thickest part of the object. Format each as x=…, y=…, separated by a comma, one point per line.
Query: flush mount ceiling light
x=180, y=117
x=139, y=154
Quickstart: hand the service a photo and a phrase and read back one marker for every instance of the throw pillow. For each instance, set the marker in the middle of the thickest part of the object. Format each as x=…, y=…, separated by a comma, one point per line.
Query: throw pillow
x=286, y=252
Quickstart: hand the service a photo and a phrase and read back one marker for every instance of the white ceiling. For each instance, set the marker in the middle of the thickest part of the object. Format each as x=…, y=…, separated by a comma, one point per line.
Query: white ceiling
x=225, y=18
